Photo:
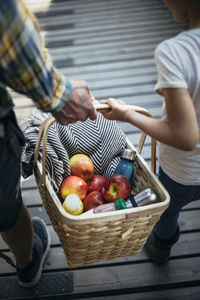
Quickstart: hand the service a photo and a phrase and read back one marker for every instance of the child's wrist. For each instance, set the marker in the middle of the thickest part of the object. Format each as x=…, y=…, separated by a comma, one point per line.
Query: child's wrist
x=128, y=115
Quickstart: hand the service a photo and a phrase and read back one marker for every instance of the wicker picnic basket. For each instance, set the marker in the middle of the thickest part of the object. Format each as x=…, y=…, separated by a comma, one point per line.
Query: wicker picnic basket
x=87, y=239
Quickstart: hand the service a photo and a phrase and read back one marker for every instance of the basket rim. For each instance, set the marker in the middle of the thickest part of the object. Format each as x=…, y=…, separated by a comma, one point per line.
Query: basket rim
x=156, y=208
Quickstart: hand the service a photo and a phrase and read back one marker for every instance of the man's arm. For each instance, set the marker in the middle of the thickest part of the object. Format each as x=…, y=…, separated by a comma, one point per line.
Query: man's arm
x=25, y=68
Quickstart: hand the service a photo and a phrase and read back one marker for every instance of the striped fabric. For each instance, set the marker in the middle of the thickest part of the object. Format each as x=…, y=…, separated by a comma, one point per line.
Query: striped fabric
x=102, y=140
x=24, y=62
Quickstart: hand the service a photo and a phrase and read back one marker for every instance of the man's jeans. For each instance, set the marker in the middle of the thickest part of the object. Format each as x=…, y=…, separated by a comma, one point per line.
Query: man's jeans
x=180, y=195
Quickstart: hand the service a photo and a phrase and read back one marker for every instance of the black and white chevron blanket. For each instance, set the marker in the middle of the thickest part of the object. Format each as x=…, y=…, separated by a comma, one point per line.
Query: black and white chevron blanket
x=102, y=140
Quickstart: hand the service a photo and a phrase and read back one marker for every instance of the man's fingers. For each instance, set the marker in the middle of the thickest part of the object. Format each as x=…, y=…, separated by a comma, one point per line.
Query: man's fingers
x=79, y=107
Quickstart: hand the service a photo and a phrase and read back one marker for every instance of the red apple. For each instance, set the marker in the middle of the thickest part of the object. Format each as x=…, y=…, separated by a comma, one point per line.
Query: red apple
x=96, y=183
x=82, y=166
x=116, y=186
x=92, y=199
x=73, y=185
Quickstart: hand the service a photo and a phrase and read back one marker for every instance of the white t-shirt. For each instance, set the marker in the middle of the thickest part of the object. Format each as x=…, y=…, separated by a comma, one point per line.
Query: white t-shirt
x=178, y=65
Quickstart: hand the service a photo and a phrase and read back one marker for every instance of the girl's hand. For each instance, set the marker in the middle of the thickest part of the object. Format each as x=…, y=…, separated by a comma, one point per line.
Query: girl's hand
x=118, y=110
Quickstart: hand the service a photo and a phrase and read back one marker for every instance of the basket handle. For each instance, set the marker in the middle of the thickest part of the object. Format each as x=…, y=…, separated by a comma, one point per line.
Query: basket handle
x=43, y=133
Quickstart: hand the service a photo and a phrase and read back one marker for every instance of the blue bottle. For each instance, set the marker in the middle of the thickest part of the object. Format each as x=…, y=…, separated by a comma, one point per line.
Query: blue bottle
x=126, y=165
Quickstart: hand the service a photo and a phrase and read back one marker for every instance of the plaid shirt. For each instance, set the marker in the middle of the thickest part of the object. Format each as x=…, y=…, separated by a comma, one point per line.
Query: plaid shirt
x=24, y=63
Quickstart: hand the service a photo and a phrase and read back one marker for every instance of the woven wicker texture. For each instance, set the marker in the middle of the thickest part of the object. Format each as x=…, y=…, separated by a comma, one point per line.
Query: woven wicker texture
x=89, y=239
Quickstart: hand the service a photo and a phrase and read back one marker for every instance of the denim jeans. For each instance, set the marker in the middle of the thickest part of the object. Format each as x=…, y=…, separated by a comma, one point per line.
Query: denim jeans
x=180, y=195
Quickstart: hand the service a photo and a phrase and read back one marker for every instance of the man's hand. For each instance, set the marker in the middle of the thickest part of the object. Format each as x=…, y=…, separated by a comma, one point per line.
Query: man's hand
x=79, y=107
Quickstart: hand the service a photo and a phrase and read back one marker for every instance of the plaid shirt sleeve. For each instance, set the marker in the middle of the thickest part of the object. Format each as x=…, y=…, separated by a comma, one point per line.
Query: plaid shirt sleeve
x=24, y=63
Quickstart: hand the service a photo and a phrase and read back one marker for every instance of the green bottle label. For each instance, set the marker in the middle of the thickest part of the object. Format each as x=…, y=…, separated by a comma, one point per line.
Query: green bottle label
x=120, y=204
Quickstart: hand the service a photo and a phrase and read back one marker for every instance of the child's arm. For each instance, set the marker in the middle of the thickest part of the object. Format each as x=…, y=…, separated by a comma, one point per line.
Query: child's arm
x=180, y=130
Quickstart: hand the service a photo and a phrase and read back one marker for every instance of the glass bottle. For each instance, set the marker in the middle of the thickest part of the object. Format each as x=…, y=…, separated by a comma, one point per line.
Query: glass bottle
x=126, y=165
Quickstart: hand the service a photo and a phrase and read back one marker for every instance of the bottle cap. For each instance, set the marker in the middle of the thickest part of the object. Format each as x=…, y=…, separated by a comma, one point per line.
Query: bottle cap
x=120, y=204
x=128, y=154
x=73, y=205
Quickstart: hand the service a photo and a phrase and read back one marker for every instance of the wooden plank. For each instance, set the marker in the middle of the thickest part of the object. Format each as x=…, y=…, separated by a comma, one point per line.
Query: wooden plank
x=124, y=82
x=84, y=7
x=28, y=183
x=134, y=76
x=105, y=11
x=71, y=33
x=76, y=23
x=142, y=52
x=72, y=22
x=80, y=3
x=106, y=49
x=92, y=24
x=107, y=67
x=49, y=286
x=31, y=197
x=119, y=278
x=106, y=76
x=188, y=246
x=129, y=25
x=120, y=93
x=116, y=280
x=40, y=212
x=192, y=293
x=192, y=205
x=77, y=70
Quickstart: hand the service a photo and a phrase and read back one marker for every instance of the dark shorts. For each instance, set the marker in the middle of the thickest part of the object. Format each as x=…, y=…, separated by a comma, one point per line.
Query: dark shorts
x=10, y=173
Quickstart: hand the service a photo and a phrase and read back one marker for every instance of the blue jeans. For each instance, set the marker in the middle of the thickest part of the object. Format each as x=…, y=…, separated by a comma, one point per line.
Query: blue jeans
x=180, y=195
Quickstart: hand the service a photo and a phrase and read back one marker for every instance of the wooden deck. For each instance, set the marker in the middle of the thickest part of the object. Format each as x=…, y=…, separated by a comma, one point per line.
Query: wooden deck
x=109, y=44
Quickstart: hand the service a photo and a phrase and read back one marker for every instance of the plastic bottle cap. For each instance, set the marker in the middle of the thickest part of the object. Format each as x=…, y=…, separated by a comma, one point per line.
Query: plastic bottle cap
x=120, y=204
x=128, y=154
x=73, y=205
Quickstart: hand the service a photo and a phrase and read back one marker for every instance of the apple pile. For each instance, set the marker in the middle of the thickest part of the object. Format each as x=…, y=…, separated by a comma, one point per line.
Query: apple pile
x=92, y=189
